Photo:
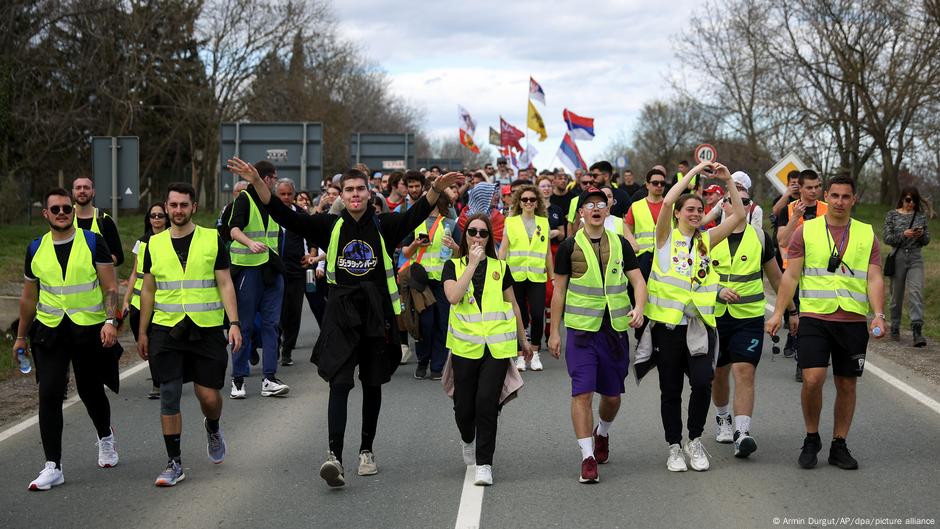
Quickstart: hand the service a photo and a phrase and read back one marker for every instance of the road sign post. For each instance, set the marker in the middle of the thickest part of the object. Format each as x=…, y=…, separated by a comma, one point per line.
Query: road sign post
x=778, y=173
x=115, y=160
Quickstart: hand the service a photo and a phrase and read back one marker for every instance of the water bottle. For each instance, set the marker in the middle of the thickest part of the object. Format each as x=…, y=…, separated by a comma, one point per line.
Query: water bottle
x=311, y=281
x=446, y=251
x=25, y=365
x=876, y=331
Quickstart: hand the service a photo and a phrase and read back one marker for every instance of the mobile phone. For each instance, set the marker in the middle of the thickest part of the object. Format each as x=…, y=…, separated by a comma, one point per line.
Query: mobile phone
x=424, y=237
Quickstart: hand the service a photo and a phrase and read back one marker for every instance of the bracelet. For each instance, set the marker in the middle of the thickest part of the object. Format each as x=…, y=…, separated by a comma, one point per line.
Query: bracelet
x=880, y=315
x=235, y=323
x=439, y=192
x=20, y=337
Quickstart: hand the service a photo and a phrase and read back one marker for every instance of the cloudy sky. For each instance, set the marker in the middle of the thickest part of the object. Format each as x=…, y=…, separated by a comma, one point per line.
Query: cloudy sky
x=598, y=58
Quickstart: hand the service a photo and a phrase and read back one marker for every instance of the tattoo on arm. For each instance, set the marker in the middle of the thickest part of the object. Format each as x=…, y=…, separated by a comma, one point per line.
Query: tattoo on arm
x=112, y=304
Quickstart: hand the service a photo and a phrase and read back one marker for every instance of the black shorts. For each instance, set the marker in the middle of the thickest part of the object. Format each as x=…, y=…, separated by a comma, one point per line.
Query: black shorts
x=845, y=342
x=202, y=361
x=740, y=340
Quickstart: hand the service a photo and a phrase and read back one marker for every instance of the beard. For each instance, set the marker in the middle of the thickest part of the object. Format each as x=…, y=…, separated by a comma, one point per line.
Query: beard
x=83, y=201
x=183, y=222
x=60, y=229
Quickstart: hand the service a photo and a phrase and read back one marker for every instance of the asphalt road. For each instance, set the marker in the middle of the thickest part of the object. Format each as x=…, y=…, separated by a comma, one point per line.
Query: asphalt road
x=270, y=479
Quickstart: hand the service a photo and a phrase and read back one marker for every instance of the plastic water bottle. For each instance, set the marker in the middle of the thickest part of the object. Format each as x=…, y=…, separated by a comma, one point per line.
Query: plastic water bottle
x=311, y=281
x=25, y=365
x=446, y=251
x=876, y=331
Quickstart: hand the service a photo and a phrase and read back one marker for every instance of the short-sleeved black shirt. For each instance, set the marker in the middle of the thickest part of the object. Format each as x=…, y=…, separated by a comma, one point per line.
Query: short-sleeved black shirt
x=181, y=247
x=566, y=248
x=102, y=255
x=110, y=233
x=478, y=280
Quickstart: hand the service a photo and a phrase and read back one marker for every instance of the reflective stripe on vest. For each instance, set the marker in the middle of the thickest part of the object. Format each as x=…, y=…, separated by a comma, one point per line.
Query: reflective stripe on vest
x=821, y=208
x=257, y=231
x=431, y=258
x=644, y=226
x=191, y=292
x=527, y=256
x=473, y=327
x=94, y=221
x=672, y=294
x=139, y=279
x=332, y=254
x=78, y=294
x=741, y=272
x=824, y=292
x=590, y=295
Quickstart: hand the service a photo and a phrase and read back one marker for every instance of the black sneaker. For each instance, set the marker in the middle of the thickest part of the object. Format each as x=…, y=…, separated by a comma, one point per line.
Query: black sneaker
x=811, y=446
x=436, y=376
x=254, y=358
x=421, y=373
x=789, y=352
x=840, y=456
x=287, y=361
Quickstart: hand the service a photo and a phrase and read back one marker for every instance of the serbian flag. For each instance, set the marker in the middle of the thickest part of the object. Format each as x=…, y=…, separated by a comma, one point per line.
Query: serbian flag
x=535, y=91
x=509, y=136
x=580, y=128
x=467, y=141
x=569, y=155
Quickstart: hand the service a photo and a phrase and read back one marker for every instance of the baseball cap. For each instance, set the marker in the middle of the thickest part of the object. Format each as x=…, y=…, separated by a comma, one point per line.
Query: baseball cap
x=714, y=188
x=591, y=192
x=507, y=189
x=742, y=179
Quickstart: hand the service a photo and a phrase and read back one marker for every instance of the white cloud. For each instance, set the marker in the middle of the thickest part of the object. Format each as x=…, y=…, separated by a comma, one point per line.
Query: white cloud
x=601, y=59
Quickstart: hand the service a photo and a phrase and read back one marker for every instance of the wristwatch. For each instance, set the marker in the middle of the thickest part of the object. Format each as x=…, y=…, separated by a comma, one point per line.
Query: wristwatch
x=235, y=323
x=880, y=315
x=111, y=321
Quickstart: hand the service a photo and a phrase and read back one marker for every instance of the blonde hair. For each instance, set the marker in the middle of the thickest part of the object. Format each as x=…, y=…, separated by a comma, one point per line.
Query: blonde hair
x=540, y=209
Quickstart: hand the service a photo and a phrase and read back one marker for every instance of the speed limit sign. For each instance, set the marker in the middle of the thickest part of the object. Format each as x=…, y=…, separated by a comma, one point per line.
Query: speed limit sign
x=705, y=153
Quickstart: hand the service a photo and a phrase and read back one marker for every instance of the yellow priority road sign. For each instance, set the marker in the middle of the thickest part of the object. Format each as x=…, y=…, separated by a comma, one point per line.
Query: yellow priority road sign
x=778, y=173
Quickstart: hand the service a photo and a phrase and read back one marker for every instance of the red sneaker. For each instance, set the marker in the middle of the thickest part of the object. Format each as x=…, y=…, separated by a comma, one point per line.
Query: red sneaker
x=601, y=447
x=589, y=471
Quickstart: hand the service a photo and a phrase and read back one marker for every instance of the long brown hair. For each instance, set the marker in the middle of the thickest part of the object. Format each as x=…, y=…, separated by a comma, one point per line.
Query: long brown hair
x=697, y=235
x=540, y=209
x=490, y=247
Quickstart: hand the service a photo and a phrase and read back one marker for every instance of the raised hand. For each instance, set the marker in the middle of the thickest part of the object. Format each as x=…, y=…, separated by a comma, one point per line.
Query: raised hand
x=243, y=169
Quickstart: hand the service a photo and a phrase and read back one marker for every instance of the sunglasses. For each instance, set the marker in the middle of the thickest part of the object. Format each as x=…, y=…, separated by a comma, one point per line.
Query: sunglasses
x=64, y=209
x=745, y=201
x=595, y=205
x=158, y=216
x=481, y=233
x=657, y=183
x=529, y=200
x=908, y=199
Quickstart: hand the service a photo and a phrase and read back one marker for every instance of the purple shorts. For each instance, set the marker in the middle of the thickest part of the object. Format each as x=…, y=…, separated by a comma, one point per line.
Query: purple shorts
x=597, y=361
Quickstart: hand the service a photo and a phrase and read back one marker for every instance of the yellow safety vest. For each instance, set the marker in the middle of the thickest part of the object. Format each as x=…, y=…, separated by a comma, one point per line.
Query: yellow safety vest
x=644, y=227
x=431, y=258
x=618, y=225
x=94, y=221
x=742, y=273
x=332, y=253
x=257, y=231
x=527, y=257
x=491, y=323
x=191, y=292
x=139, y=274
x=821, y=208
x=78, y=295
x=590, y=295
x=824, y=292
x=573, y=208
x=670, y=292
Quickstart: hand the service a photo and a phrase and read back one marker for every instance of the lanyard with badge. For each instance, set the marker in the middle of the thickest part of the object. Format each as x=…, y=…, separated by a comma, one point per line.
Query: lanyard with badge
x=835, y=259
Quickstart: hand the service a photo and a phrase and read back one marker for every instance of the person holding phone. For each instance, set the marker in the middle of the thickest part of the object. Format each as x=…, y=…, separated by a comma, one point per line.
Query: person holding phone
x=906, y=230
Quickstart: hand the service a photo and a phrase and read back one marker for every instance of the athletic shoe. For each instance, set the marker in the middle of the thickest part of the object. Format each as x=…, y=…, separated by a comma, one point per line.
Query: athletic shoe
x=405, y=354
x=254, y=358
x=435, y=375
x=789, y=352
x=811, y=446
x=536, y=363
x=48, y=478
x=698, y=456
x=154, y=393
x=332, y=472
x=601, y=447
x=520, y=363
x=286, y=361
x=107, y=455
x=470, y=452
x=272, y=387
x=840, y=456
x=215, y=445
x=799, y=374
x=724, y=433
x=238, y=390
x=744, y=444
x=170, y=476
x=367, y=463
x=589, y=471
x=484, y=476
x=676, y=461
x=421, y=373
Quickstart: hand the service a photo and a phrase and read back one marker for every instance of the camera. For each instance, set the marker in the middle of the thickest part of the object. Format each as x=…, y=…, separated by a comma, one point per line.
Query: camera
x=834, y=262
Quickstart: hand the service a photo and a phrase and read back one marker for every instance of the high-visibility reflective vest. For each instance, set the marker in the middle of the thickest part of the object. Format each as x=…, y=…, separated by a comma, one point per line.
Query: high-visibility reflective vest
x=94, y=221
x=78, y=294
x=191, y=292
x=476, y=324
x=618, y=225
x=573, y=209
x=332, y=253
x=822, y=291
x=527, y=256
x=431, y=257
x=139, y=275
x=742, y=273
x=590, y=295
x=257, y=231
x=821, y=208
x=644, y=226
x=671, y=292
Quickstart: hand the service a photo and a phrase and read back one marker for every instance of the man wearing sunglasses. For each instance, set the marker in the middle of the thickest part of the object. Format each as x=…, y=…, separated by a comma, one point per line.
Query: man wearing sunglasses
x=583, y=182
x=71, y=292
x=640, y=222
x=88, y=217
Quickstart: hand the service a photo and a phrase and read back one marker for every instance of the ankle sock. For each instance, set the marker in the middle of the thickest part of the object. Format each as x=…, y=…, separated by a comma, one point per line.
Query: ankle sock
x=603, y=427
x=212, y=425
x=742, y=423
x=587, y=447
x=722, y=411
x=172, y=445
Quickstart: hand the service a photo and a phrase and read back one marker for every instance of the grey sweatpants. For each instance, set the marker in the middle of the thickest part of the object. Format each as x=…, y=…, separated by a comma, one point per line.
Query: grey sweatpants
x=909, y=274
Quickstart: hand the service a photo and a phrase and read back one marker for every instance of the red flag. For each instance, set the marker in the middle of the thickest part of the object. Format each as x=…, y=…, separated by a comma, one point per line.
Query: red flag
x=509, y=136
x=467, y=141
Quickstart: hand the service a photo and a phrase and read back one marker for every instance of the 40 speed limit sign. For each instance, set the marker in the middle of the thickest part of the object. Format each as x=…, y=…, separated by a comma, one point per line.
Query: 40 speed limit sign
x=705, y=153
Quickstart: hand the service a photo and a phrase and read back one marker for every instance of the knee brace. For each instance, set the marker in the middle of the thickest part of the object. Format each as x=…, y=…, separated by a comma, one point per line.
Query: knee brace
x=170, y=394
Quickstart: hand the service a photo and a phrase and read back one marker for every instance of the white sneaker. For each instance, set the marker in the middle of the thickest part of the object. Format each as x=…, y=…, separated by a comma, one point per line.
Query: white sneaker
x=272, y=387
x=332, y=472
x=724, y=432
x=405, y=354
x=48, y=478
x=238, y=391
x=484, y=476
x=698, y=457
x=470, y=452
x=520, y=363
x=676, y=462
x=107, y=455
x=744, y=444
x=367, y=463
x=536, y=363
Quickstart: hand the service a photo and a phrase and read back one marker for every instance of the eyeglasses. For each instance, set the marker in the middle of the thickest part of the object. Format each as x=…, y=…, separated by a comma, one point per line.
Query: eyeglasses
x=745, y=201
x=595, y=205
x=157, y=216
x=66, y=209
x=586, y=183
x=657, y=183
x=529, y=200
x=481, y=233
x=908, y=199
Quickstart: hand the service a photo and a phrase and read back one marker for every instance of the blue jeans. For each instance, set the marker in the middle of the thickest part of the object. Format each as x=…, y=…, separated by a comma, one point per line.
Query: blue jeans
x=433, y=324
x=254, y=297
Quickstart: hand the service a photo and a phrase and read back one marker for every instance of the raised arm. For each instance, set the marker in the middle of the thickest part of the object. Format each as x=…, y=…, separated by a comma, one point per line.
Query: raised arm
x=664, y=222
x=738, y=212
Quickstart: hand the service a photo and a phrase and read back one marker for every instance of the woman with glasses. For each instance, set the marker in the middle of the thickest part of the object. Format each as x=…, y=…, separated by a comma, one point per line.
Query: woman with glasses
x=484, y=332
x=155, y=221
x=906, y=230
x=526, y=243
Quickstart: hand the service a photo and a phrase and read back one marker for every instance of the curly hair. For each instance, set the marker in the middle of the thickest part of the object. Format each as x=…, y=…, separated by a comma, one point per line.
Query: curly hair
x=540, y=209
x=697, y=236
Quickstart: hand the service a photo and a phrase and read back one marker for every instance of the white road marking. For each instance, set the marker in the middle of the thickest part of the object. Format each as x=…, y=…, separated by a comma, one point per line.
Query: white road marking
x=29, y=421
x=471, y=502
